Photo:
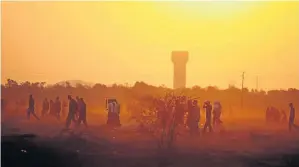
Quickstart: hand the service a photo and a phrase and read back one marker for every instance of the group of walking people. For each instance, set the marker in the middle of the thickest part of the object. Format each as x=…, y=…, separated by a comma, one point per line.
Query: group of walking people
x=53, y=108
x=113, y=109
x=273, y=115
x=76, y=113
x=173, y=110
x=186, y=112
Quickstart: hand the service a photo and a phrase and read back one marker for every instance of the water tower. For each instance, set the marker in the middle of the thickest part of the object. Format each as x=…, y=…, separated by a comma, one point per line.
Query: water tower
x=179, y=60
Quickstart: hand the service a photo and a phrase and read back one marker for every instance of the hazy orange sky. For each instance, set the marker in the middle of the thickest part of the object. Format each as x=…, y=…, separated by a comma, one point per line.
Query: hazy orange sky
x=125, y=42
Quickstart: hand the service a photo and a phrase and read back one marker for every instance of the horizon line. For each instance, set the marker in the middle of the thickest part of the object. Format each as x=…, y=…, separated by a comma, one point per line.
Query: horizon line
x=130, y=85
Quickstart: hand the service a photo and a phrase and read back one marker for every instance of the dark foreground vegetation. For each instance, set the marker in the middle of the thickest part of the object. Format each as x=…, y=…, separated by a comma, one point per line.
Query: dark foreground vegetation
x=20, y=150
x=30, y=150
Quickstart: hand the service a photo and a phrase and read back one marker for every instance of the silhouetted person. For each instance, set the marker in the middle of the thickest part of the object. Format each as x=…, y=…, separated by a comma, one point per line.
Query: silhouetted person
x=57, y=108
x=185, y=106
x=162, y=113
x=217, y=113
x=190, y=114
x=72, y=111
x=82, y=113
x=113, y=113
x=46, y=107
x=110, y=119
x=79, y=106
x=31, y=108
x=117, y=112
x=195, y=117
x=208, y=124
x=179, y=112
x=292, y=117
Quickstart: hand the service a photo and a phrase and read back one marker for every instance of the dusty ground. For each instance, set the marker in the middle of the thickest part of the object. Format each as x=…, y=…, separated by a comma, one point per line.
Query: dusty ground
x=244, y=143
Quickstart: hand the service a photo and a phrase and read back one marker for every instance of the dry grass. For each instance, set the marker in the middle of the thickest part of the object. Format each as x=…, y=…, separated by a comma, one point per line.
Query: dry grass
x=245, y=143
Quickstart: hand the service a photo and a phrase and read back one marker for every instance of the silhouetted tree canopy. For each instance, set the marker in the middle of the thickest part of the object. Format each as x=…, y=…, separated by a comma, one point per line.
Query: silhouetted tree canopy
x=12, y=91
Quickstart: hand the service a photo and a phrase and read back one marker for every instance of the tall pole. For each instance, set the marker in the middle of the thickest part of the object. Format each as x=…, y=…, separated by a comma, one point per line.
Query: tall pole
x=243, y=74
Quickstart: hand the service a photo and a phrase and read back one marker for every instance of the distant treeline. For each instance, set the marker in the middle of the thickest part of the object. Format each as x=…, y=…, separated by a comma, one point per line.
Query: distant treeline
x=94, y=96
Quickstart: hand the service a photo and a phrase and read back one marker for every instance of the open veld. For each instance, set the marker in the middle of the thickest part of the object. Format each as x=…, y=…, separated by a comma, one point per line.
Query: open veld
x=245, y=142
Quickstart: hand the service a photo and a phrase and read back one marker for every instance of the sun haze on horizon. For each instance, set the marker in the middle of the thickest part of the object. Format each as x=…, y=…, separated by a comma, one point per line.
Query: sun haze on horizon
x=125, y=42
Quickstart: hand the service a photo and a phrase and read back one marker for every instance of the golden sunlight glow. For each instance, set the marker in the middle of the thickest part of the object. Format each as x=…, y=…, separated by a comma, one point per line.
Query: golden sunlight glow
x=53, y=39
x=218, y=10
